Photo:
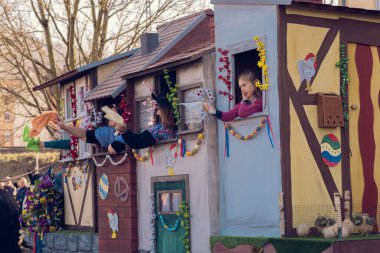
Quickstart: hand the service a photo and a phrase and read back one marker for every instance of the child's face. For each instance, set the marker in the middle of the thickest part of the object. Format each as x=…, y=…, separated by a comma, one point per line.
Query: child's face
x=159, y=112
x=247, y=88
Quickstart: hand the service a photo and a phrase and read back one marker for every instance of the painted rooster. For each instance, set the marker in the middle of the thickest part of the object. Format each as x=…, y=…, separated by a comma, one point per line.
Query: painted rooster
x=307, y=69
x=113, y=220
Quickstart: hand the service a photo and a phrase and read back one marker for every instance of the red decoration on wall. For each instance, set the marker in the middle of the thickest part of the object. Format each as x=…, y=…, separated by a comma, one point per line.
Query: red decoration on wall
x=123, y=106
x=225, y=74
x=74, y=140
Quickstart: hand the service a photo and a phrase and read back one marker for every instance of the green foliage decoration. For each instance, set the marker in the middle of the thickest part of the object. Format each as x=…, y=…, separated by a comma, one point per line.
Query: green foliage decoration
x=184, y=212
x=343, y=65
x=172, y=96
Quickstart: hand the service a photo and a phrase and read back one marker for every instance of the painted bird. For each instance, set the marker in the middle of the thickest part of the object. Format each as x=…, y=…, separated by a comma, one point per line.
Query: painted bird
x=113, y=220
x=307, y=69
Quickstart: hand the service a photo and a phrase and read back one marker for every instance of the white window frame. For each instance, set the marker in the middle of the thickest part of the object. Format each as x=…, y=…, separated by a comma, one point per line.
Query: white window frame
x=81, y=84
x=241, y=47
x=67, y=107
x=84, y=149
x=7, y=116
x=181, y=91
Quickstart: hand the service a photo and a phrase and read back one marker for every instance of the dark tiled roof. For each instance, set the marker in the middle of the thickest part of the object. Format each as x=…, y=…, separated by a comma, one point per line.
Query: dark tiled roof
x=167, y=34
x=73, y=73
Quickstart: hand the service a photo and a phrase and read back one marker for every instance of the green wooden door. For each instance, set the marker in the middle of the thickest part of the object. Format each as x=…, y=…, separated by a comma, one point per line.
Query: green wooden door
x=168, y=197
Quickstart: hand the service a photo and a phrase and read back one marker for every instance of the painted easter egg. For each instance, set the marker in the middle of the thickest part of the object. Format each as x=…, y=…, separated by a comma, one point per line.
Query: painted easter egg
x=330, y=150
x=103, y=186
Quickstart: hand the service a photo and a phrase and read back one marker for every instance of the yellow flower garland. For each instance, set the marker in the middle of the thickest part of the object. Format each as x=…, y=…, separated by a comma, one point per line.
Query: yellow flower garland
x=262, y=64
x=196, y=146
x=242, y=137
x=142, y=158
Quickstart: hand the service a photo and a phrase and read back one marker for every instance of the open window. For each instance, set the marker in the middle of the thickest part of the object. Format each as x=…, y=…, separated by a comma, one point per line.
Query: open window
x=245, y=62
x=161, y=88
x=84, y=149
x=244, y=58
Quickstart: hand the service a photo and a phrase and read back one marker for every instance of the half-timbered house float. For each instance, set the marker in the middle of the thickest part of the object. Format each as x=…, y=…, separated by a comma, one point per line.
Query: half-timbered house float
x=173, y=184
x=307, y=165
x=79, y=172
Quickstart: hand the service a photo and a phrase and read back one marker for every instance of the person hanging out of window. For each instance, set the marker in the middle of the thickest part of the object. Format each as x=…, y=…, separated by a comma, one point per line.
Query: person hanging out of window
x=251, y=100
x=164, y=129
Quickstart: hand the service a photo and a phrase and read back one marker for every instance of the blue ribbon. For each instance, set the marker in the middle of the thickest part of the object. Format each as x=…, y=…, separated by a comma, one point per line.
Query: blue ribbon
x=183, y=148
x=268, y=132
x=227, y=144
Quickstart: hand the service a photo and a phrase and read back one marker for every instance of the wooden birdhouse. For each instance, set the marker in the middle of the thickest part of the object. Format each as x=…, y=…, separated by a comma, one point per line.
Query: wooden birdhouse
x=330, y=110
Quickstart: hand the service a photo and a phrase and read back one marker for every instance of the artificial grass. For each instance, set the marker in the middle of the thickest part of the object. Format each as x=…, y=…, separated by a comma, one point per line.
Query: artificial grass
x=286, y=245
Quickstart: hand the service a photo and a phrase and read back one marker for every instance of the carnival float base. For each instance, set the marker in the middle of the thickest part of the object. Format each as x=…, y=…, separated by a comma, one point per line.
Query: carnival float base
x=355, y=244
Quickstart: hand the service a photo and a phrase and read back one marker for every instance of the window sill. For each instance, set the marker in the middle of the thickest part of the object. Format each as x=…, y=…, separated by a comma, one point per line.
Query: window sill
x=106, y=153
x=193, y=131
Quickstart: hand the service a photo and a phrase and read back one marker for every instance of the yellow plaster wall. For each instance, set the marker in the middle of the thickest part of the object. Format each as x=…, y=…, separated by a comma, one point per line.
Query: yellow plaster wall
x=77, y=198
x=107, y=69
x=302, y=39
x=329, y=14
x=328, y=77
x=336, y=172
x=309, y=194
x=356, y=167
x=375, y=91
x=363, y=4
x=310, y=197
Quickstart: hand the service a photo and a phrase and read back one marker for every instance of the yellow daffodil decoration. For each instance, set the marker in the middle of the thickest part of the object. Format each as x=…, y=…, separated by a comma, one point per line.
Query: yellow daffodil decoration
x=262, y=64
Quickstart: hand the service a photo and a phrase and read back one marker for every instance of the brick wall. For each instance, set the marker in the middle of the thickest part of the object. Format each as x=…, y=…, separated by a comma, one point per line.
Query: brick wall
x=127, y=236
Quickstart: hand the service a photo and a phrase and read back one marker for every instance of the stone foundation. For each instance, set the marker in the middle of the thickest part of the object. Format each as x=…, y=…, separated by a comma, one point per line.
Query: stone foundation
x=61, y=242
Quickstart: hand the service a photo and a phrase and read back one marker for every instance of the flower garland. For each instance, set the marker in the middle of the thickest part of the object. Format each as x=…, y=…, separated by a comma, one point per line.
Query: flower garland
x=172, y=96
x=342, y=65
x=242, y=137
x=262, y=64
x=152, y=225
x=73, y=153
x=144, y=157
x=225, y=77
x=124, y=107
x=182, y=144
x=170, y=229
x=109, y=158
x=185, y=223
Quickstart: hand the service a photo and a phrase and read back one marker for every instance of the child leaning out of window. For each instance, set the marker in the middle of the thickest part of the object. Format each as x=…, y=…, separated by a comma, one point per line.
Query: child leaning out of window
x=251, y=100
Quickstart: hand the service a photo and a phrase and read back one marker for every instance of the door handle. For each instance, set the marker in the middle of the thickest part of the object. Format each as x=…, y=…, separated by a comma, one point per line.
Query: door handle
x=354, y=107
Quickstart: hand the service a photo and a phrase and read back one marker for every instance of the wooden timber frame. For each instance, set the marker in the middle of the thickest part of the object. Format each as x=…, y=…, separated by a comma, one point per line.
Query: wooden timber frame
x=364, y=33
